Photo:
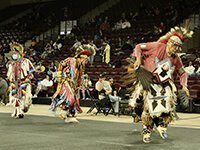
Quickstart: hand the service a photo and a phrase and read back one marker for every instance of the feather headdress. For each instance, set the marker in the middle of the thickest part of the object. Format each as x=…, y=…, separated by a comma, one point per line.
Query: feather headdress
x=183, y=33
x=84, y=53
x=183, y=100
x=139, y=75
x=16, y=48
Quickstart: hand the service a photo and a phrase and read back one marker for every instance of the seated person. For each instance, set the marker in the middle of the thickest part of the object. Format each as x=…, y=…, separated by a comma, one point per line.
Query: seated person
x=198, y=71
x=85, y=85
x=99, y=86
x=113, y=96
x=52, y=71
x=123, y=93
x=126, y=24
x=190, y=69
x=102, y=86
x=108, y=94
x=43, y=85
x=40, y=68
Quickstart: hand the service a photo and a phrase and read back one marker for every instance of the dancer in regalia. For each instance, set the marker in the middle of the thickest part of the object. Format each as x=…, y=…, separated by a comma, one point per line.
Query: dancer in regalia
x=66, y=98
x=151, y=73
x=19, y=75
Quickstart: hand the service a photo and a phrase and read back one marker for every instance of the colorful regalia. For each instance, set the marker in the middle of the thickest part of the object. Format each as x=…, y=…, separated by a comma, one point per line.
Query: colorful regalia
x=19, y=74
x=66, y=98
x=151, y=77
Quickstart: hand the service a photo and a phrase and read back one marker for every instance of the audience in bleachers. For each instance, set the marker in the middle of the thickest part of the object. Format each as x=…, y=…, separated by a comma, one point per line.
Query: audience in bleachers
x=140, y=20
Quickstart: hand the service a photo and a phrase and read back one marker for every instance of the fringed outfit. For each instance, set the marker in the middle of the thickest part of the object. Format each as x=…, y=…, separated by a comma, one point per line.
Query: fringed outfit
x=106, y=54
x=153, y=90
x=19, y=72
x=67, y=96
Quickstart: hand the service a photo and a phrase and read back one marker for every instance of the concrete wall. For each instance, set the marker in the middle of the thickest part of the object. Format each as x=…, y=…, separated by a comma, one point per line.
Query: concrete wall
x=194, y=26
x=17, y=2
x=6, y=3
x=96, y=11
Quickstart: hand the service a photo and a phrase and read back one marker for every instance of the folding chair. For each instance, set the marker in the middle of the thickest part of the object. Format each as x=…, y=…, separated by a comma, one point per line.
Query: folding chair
x=102, y=106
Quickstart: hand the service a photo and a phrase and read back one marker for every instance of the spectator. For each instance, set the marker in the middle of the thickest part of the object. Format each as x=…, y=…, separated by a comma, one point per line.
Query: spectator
x=43, y=85
x=52, y=71
x=3, y=90
x=49, y=46
x=105, y=26
x=118, y=25
x=104, y=89
x=190, y=69
x=126, y=24
x=86, y=84
x=99, y=86
x=40, y=68
x=75, y=47
x=113, y=97
x=105, y=52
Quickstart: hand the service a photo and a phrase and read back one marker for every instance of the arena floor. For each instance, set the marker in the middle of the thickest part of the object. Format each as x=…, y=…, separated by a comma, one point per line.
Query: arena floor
x=40, y=130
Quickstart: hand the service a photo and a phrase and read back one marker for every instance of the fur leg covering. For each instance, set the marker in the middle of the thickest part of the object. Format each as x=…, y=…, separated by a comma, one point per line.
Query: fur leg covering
x=167, y=118
x=146, y=119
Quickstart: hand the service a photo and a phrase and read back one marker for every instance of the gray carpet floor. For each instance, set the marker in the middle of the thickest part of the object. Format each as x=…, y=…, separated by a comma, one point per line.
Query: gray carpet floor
x=50, y=133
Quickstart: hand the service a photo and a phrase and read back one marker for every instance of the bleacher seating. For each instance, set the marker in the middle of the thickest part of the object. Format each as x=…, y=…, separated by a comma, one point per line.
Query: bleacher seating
x=138, y=33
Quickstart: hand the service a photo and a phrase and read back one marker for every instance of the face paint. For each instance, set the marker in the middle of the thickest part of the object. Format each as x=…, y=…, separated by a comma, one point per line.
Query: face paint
x=173, y=47
x=14, y=56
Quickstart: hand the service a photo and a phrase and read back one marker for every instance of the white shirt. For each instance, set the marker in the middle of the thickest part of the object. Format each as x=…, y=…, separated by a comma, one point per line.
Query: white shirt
x=126, y=24
x=105, y=85
x=189, y=70
x=46, y=82
x=198, y=70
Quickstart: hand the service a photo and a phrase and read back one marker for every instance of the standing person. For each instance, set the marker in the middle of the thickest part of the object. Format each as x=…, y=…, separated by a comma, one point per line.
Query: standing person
x=19, y=74
x=69, y=76
x=105, y=52
x=92, y=47
x=3, y=90
x=152, y=78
